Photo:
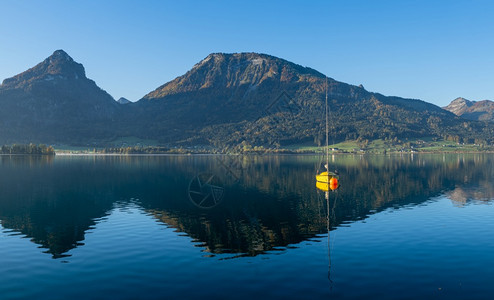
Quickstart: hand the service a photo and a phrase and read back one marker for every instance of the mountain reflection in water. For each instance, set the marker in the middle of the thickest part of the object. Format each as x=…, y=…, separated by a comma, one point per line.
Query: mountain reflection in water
x=265, y=203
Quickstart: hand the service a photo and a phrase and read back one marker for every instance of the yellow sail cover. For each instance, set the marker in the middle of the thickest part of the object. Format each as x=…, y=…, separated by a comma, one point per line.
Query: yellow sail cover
x=325, y=177
x=327, y=181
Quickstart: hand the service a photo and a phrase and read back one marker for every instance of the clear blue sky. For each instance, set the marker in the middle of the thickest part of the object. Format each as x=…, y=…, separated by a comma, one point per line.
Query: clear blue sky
x=430, y=50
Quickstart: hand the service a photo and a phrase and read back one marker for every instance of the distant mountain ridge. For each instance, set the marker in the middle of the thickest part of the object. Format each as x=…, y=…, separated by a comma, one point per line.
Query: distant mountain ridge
x=224, y=101
x=472, y=110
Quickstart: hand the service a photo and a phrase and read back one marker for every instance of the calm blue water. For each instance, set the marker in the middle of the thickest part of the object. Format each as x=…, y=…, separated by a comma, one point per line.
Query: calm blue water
x=149, y=227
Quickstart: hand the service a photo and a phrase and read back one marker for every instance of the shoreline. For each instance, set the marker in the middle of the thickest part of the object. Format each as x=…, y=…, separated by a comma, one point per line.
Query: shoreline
x=262, y=154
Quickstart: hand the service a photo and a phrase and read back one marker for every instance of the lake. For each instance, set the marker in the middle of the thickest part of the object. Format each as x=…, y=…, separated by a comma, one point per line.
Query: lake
x=246, y=227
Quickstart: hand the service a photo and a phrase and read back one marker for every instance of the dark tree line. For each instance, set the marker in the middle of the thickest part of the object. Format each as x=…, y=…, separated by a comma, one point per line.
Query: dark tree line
x=144, y=150
x=30, y=149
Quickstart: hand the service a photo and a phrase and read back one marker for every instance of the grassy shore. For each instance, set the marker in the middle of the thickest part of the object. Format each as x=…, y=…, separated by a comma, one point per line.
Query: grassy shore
x=427, y=145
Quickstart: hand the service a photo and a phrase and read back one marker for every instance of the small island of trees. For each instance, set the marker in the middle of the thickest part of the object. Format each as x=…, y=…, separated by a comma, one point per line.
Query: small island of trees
x=30, y=149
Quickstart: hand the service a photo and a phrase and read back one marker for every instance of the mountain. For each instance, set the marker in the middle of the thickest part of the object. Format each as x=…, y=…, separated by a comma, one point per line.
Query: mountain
x=459, y=106
x=225, y=101
x=258, y=99
x=472, y=110
x=123, y=100
x=54, y=102
x=223, y=92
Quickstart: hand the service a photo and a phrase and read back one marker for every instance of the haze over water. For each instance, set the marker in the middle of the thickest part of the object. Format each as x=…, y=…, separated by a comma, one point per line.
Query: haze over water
x=154, y=227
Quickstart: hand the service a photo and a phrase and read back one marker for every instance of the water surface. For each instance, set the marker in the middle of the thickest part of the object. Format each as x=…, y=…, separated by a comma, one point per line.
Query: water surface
x=150, y=227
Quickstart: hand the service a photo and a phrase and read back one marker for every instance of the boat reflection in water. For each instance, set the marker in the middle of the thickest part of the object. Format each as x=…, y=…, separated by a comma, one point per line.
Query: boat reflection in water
x=329, y=189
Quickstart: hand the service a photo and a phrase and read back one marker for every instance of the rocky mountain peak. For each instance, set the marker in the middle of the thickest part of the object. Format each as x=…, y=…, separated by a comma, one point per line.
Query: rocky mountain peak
x=459, y=106
x=58, y=66
x=61, y=55
x=123, y=100
x=246, y=70
x=472, y=110
x=461, y=100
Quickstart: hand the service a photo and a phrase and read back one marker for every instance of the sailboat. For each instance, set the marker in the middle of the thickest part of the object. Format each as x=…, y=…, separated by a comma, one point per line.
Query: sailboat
x=326, y=180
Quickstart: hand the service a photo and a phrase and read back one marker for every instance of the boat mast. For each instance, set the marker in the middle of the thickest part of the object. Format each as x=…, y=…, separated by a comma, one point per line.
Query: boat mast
x=327, y=129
